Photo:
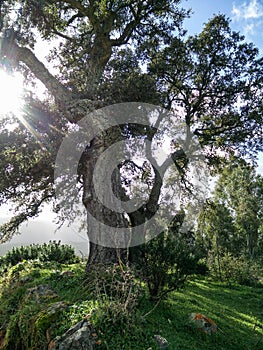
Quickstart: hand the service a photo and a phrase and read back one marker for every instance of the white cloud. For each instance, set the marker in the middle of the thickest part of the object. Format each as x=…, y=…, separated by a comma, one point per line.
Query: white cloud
x=249, y=29
x=247, y=16
x=236, y=12
x=251, y=10
x=254, y=10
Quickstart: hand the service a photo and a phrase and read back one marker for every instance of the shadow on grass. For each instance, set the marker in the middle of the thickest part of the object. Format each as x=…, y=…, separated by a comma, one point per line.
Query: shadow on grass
x=237, y=311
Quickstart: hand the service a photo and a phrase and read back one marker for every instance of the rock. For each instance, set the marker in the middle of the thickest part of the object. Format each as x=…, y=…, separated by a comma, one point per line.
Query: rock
x=55, y=307
x=203, y=323
x=67, y=273
x=82, y=336
x=160, y=341
x=41, y=293
x=46, y=319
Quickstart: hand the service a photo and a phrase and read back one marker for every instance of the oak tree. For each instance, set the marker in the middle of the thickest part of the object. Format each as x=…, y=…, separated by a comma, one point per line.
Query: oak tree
x=115, y=51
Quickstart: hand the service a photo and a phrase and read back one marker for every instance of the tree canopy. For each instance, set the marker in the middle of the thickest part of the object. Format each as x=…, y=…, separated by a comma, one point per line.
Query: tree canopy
x=121, y=51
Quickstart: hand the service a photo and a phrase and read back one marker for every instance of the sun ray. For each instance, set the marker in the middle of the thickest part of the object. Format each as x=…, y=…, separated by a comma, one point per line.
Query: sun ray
x=11, y=93
x=12, y=101
x=33, y=132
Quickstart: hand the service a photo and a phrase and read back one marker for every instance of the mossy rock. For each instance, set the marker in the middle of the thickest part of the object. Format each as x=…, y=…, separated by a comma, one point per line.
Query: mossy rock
x=81, y=336
x=32, y=327
x=47, y=319
x=41, y=293
x=46, y=322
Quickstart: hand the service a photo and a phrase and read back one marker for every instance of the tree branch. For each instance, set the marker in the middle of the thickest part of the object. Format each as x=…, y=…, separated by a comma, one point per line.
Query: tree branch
x=9, y=228
x=17, y=54
x=77, y=5
x=74, y=17
x=126, y=34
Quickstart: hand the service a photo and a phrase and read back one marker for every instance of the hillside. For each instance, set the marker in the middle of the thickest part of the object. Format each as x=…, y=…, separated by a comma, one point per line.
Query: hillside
x=40, y=301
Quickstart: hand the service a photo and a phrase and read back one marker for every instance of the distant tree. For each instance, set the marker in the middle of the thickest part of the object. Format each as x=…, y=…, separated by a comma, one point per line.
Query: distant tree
x=216, y=230
x=231, y=222
x=240, y=188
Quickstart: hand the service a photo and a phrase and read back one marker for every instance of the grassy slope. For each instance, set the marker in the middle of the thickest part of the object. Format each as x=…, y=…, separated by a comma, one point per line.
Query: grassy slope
x=236, y=310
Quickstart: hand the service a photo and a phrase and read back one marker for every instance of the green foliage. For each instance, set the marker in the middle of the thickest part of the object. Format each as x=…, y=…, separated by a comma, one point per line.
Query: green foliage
x=240, y=189
x=216, y=234
x=206, y=75
x=166, y=261
x=229, y=227
x=232, y=269
x=123, y=81
x=51, y=252
x=21, y=328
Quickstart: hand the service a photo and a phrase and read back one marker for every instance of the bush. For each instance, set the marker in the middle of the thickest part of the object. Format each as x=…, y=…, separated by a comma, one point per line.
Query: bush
x=116, y=288
x=234, y=269
x=167, y=260
x=57, y=252
x=53, y=251
x=117, y=293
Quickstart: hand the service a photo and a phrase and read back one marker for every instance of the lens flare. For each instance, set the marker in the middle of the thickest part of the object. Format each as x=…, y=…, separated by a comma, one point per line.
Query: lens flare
x=11, y=91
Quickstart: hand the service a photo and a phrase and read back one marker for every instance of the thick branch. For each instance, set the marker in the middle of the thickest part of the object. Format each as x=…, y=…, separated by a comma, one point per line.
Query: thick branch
x=60, y=93
x=64, y=98
x=126, y=34
x=152, y=204
x=77, y=5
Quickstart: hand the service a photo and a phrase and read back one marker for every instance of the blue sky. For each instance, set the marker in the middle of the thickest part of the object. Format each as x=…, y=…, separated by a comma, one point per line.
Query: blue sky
x=246, y=16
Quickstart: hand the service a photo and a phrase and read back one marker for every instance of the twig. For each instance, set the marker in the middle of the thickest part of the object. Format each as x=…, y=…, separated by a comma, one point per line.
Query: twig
x=155, y=306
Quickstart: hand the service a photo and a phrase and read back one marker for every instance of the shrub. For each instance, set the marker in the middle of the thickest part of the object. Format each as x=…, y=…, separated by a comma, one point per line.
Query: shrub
x=115, y=284
x=167, y=260
x=234, y=269
x=117, y=293
x=53, y=251
x=57, y=252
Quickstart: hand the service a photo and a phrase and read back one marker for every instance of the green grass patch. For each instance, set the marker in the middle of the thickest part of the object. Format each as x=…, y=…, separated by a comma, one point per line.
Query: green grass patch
x=237, y=311
x=27, y=323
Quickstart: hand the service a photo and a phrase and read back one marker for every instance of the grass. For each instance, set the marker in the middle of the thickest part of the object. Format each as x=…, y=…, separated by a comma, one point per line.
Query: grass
x=237, y=310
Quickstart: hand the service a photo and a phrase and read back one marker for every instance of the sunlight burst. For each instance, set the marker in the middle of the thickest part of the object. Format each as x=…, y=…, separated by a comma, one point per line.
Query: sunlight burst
x=11, y=91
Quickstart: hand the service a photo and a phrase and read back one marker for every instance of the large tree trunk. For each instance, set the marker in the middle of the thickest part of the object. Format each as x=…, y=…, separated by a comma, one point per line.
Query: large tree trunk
x=105, y=244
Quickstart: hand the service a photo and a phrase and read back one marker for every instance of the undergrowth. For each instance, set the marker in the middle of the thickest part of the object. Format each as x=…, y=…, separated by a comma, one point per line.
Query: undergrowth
x=119, y=308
